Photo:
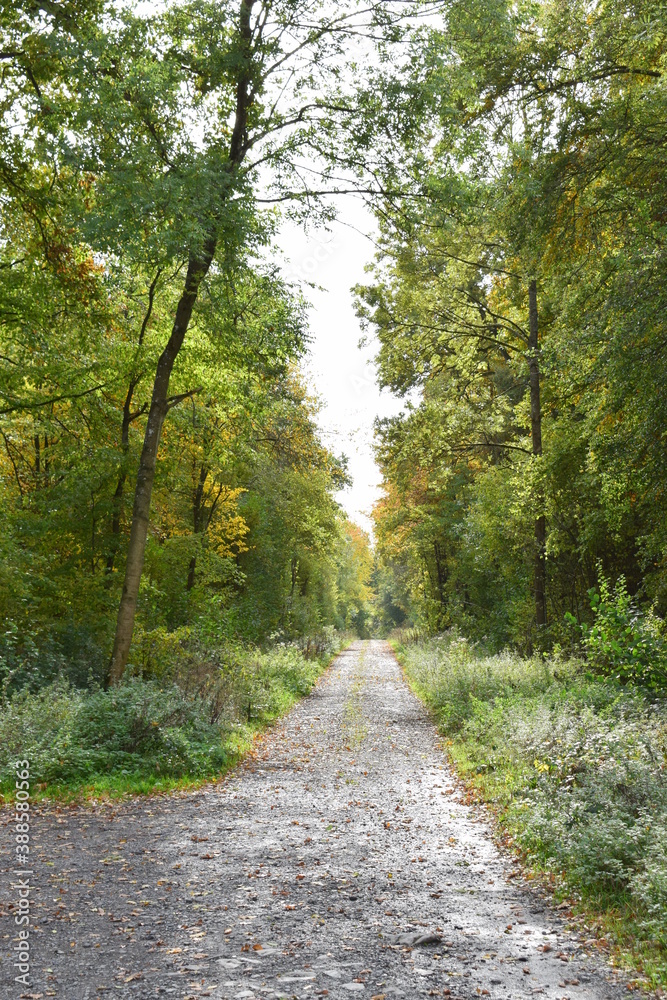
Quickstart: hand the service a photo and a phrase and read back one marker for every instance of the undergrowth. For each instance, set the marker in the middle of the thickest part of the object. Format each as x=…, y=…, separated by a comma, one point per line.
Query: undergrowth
x=152, y=732
x=575, y=768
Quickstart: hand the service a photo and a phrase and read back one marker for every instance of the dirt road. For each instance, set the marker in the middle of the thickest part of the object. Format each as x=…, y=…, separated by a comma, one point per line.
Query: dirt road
x=336, y=863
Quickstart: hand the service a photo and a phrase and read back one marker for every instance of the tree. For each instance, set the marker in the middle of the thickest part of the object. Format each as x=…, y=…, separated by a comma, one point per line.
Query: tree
x=519, y=128
x=170, y=128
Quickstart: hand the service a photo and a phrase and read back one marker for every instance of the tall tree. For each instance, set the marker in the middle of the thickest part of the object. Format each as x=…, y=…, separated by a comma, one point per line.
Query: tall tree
x=519, y=127
x=173, y=127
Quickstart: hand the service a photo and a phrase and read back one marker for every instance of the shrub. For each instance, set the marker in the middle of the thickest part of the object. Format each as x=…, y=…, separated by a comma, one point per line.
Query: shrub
x=578, y=764
x=137, y=728
x=623, y=641
x=33, y=660
x=174, y=718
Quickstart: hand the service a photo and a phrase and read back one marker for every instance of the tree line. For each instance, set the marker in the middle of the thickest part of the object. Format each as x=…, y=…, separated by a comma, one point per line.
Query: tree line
x=161, y=465
x=161, y=469
x=518, y=295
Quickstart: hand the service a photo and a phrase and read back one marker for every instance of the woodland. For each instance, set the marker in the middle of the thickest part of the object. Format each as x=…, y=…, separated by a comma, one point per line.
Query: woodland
x=176, y=566
x=518, y=298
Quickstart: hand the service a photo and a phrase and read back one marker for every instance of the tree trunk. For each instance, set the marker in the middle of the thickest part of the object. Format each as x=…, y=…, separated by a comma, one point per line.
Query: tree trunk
x=198, y=266
x=197, y=269
x=441, y=571
x=539, y=571
x=117, y=499
x=128, y=417
x=197, y=519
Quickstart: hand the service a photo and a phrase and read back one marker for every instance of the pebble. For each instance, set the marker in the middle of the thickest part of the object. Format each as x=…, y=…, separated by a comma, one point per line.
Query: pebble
x=337, y=861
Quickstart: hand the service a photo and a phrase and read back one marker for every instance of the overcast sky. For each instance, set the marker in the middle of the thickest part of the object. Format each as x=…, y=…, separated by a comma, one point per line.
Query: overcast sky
x=342, y=375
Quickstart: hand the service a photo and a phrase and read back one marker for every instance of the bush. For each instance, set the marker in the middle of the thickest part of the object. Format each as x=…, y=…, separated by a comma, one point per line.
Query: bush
x=576, y=763
x=624, y=642
x=469, y=679
x=175, y=718
x=33, y=660
x=137, y=728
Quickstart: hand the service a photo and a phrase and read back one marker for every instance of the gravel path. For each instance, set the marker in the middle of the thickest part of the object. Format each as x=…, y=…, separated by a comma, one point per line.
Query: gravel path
x=337, y=862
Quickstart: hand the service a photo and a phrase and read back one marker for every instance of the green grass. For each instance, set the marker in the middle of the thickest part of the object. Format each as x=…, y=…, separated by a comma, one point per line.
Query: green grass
x=574, y=768
x=150, y=736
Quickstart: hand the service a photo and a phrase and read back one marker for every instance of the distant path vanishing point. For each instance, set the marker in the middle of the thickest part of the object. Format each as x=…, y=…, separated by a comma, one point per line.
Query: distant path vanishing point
x=338, y=861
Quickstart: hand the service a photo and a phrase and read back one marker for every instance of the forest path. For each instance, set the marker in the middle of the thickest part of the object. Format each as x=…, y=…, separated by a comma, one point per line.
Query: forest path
x=311, y=871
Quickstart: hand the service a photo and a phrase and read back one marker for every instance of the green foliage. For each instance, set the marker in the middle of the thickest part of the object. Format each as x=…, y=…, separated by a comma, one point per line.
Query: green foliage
x=244, y=493
x=138, y=729
x=185, y=724
x=532, y=134
x=66, y=651
x=120, y=167
x=623, y=641
x=576, y=768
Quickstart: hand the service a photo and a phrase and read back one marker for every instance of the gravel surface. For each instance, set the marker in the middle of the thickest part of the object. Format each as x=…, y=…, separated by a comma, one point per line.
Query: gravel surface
x=338, y=861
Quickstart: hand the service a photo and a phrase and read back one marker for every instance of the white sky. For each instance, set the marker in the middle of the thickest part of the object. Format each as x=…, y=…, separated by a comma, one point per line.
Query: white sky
x=341, y=374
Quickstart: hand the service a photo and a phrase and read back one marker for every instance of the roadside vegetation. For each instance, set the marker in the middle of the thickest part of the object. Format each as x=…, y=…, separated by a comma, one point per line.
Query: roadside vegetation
x=155, y=730
x=172, y=548
x=573, y=763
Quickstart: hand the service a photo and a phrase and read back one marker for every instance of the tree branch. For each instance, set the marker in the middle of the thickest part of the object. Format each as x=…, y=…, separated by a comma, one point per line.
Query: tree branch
x=173, y=401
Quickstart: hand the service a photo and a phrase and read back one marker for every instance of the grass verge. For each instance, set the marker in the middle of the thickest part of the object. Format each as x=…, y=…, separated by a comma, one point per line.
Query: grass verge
x=151, y=735
x=574, y=769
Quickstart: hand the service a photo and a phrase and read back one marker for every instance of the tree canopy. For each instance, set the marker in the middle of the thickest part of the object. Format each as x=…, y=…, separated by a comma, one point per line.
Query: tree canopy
x=160, y=451
x=530, y=137
x=161, y=461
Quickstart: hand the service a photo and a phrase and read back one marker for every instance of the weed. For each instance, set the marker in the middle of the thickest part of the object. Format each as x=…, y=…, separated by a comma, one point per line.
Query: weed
x=576, y=769
x=152, y=732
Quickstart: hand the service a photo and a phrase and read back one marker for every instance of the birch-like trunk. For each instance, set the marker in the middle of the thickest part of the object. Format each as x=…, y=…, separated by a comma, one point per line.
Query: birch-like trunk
x=197, y=269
